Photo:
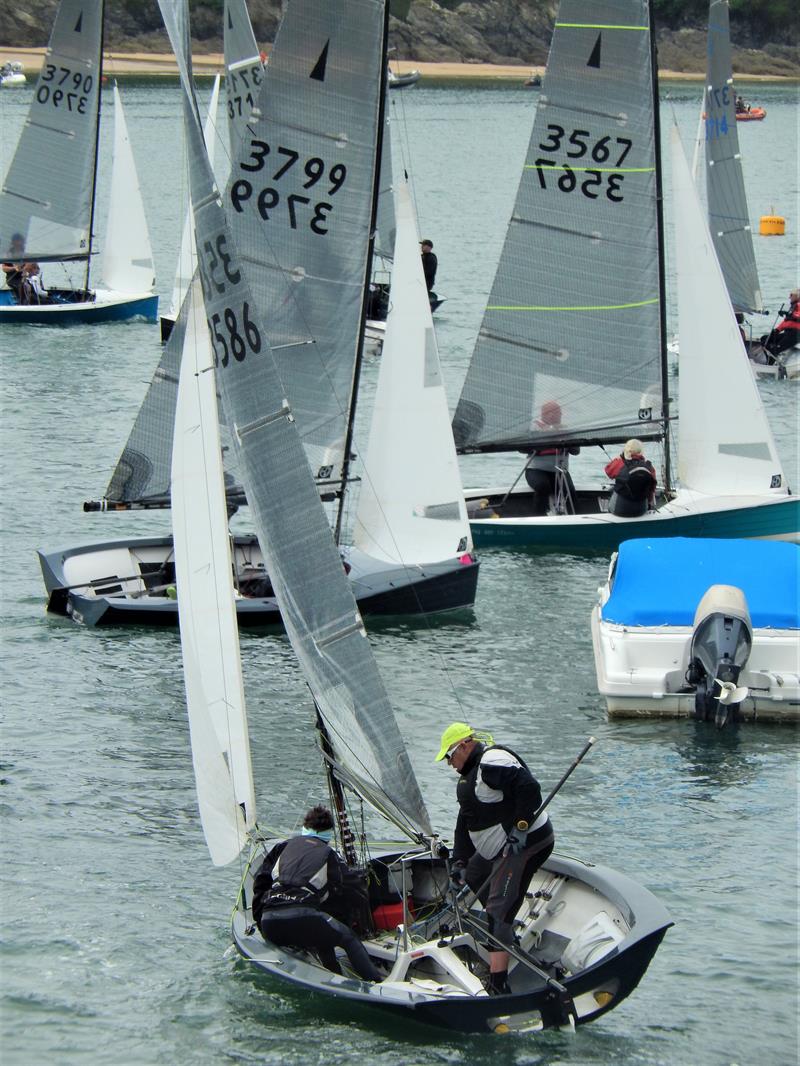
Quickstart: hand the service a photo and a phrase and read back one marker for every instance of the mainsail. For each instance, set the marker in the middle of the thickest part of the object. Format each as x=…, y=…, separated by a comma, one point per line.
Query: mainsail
x=727, y=200
x=300, y=195
x=411, y=506
x=48, y=193
x=142, y=473
x=725, y=445
x=305, y=567
x=212, y=666
x=574, y=315
x=244, y=71
x=127, y=254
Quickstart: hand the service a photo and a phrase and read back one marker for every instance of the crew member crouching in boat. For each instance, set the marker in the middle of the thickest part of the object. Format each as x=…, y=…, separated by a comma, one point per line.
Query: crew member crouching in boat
x=787, y=333
x=634, y=482
x=293, y=890
x=498, y=846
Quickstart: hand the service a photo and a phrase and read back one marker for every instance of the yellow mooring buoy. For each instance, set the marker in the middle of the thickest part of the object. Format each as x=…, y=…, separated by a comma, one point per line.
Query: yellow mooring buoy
x=772, y=226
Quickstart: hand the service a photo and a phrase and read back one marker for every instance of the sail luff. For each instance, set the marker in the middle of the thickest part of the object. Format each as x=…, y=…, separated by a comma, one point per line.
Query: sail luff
x=209, y=631
x=308, y=578
x=380, y=129
x=728, y=216
x=574, y=316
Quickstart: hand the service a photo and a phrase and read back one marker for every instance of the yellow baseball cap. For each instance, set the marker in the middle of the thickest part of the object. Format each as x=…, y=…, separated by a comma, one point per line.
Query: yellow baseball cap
x=455, y=732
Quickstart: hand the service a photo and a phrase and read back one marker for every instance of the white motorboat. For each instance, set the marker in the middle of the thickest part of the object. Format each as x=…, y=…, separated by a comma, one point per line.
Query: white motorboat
x=703, y=628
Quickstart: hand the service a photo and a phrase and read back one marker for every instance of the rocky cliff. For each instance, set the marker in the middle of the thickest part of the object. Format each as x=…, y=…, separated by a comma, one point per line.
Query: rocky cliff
x=463, y=31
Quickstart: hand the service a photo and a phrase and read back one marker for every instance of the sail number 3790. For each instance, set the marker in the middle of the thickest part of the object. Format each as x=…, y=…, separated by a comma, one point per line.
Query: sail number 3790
x=65, y=88
x=608, y=152
x=300, y=209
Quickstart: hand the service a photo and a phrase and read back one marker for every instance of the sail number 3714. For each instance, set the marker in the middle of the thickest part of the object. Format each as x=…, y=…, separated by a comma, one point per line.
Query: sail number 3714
x=608, y=152
x=301, y=210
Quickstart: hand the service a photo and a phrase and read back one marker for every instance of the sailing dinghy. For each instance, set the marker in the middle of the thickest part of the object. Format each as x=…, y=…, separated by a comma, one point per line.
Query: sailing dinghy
x=576, y=319
x=411, y=548
x=47, y=202
x=728, y=216
x=586, y=934
x=700, y=628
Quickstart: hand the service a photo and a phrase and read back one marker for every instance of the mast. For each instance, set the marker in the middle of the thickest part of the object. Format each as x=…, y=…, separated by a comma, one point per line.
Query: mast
x=96, y=141
x=337, y=794
x=376, y=181
x=662, y=287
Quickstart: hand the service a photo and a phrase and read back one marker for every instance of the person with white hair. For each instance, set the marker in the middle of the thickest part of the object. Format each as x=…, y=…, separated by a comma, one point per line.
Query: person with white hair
x=634, y=482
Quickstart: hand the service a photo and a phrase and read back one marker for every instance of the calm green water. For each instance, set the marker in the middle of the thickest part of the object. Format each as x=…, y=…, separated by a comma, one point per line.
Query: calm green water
x=115, y=939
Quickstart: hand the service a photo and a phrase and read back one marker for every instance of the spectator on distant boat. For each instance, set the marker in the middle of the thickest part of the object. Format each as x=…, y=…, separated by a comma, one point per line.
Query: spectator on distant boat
x=634, y=482
x=787, y=333
x=741, y=107
x=429, y=264
x=293, y=891
x=547, y=471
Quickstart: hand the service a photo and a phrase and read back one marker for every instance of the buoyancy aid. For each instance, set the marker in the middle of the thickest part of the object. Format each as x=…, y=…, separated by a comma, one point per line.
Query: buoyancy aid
x=489, y=809
x=635, y=480
x=298, y=876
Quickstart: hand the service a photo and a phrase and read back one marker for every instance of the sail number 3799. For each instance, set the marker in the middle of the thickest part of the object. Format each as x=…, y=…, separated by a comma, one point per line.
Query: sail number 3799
x=300, y=209
x=608, y=152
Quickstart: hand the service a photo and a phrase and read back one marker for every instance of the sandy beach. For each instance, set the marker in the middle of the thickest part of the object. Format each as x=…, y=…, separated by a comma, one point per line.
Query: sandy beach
x=128, y=63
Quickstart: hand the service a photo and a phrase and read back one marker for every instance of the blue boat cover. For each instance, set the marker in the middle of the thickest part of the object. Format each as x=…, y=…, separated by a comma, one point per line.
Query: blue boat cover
x=661, y=582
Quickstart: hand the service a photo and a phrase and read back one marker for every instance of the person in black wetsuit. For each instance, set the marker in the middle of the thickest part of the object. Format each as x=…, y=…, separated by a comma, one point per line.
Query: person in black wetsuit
x=293, y=888
x=429, y=264
x=498, y=844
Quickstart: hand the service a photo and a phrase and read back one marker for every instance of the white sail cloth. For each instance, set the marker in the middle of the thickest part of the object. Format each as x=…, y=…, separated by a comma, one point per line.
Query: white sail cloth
x=209, y=633
x=411, y=507
x=127, y=253
x=725, y=445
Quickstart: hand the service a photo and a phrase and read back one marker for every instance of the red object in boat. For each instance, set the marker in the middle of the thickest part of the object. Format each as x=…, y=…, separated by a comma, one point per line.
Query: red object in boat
x=755, y=114
x=390, y=915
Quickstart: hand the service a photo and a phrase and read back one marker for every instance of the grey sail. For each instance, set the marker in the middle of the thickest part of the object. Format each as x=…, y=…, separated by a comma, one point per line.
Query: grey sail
x=244, y=71
x=143, y=471
x=48, y=190
x=301, y=194
x=316, y=602
x=728, y=217
x=573, y=319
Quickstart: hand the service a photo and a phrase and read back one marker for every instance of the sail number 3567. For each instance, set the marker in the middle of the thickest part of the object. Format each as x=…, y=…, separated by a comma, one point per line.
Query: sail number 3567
x=300, y=209
x=576, y=145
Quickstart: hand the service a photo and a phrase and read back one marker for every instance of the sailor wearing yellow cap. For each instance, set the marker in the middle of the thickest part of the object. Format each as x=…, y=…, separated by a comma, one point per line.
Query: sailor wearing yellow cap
x=496, y=848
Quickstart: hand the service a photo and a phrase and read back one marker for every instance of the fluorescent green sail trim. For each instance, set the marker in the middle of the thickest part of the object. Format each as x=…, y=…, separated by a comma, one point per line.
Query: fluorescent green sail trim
x=600, y=307
x=597, y=26
x=597, y=170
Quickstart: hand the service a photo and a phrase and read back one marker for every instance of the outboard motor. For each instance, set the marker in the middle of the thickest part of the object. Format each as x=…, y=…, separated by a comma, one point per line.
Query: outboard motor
x=721, y=644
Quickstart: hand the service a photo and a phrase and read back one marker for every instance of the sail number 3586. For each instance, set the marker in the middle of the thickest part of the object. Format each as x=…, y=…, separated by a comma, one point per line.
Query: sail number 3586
x=300, y=209
x=577, y=145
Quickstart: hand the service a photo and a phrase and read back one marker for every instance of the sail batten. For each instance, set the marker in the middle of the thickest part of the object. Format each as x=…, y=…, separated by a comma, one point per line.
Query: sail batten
x=303, y=562
x=573, y=321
